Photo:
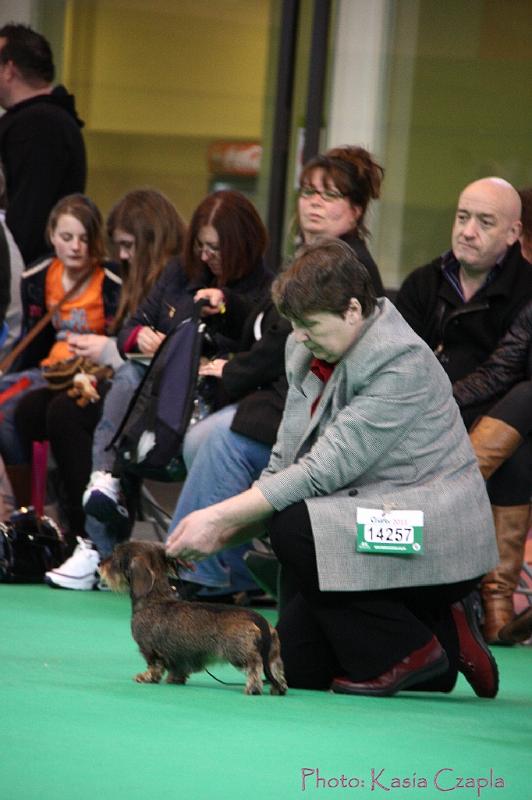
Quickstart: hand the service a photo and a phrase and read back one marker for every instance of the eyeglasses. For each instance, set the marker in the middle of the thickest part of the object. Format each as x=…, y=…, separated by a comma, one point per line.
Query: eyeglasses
x=329, y=195
x=210, y=249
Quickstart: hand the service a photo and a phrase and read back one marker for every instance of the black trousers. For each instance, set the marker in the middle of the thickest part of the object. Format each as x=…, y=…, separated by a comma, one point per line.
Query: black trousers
x=511, y=484
x=359, y=634
x=47, y=414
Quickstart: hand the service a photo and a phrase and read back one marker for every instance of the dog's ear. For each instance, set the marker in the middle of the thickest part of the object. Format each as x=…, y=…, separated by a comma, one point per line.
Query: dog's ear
x=141, y=577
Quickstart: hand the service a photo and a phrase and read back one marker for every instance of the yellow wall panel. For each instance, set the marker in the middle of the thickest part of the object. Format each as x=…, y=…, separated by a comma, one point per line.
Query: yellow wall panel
x=187, y=68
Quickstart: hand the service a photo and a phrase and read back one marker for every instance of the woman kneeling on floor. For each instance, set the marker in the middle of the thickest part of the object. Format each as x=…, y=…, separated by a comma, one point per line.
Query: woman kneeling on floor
x=373, y=499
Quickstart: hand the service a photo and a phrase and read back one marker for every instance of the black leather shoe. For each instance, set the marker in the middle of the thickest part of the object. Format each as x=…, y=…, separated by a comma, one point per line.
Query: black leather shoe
x=421, y=665
x=476, y=661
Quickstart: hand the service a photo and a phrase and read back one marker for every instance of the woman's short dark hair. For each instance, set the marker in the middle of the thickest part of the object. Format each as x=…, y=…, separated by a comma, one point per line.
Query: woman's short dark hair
x=353, y=171
x=240, y=230
x=85, y=211
x=324, y=276
x=29, y=51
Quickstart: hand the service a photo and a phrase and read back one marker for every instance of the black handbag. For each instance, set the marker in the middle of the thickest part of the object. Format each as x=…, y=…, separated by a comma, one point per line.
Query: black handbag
x=30, y=545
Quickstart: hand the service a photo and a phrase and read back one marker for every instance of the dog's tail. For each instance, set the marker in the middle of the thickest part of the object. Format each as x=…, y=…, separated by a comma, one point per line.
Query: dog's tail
x=265, y=647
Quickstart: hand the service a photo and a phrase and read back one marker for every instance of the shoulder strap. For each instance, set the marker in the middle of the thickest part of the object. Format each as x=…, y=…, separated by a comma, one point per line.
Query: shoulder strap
x=19, y=348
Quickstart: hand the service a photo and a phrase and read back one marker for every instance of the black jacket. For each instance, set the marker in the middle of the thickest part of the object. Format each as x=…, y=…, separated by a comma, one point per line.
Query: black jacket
x=464, y=334
x=510, y=363
x=363, y=255
x=257, y=375
x=42, y=150
x=172, y=299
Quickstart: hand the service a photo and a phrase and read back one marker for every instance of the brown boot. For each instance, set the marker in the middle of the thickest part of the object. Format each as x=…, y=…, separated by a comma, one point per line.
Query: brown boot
x=493, y=442
x=511, y=527
x=519, y=629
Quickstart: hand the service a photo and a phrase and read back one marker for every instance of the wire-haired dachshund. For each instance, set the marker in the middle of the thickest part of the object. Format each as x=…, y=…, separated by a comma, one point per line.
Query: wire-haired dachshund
x=182, y=637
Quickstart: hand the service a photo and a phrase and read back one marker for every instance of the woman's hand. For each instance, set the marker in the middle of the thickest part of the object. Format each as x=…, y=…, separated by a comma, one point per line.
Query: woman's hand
x=214, y=368
x=148, y=340
x=88, y=345
x=198, y=536
x=216, y=300
x=205, y=532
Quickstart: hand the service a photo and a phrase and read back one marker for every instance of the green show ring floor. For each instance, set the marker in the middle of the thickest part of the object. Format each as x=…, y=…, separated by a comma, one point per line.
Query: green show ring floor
x=76, y=726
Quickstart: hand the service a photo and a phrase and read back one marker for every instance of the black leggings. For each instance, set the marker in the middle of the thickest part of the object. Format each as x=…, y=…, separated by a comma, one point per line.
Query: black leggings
x=358, y=634
x=46, y=414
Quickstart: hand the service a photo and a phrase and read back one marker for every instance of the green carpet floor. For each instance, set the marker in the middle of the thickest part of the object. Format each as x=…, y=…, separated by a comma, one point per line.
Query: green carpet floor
x=74, y=725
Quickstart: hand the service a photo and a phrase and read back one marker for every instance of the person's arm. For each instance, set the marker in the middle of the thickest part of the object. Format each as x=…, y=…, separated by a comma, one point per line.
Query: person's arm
x=205, y=532
x=506, y=366
x=373, y=422
x=5, y=275
x=379, y=414
x=100, y=349
x=146, y=316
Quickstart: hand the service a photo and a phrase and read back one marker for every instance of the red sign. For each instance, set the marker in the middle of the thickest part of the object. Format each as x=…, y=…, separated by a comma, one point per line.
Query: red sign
x=234, y=158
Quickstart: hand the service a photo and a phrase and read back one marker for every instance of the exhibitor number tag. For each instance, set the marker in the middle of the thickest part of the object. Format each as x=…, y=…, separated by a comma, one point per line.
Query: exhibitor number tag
x=399, y=532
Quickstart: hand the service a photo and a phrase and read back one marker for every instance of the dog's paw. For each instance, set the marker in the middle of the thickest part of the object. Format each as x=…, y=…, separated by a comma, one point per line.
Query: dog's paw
x=147, y=677
x=253, y=689
x=177, y=679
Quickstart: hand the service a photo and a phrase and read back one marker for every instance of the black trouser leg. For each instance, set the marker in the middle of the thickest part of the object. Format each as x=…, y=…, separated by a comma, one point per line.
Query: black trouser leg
x=362, y=633
x=70, y=429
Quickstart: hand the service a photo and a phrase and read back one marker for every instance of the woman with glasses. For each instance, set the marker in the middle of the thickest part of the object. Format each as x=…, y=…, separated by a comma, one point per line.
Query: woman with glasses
x=222, y=262
x=335, y=191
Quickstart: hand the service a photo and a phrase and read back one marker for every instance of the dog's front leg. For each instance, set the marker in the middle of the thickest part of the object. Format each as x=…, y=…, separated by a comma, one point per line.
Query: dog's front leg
x=153, y=674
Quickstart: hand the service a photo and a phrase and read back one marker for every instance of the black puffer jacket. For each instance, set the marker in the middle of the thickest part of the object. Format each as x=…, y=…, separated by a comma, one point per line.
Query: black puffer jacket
x=465, y=334
x=510, y=363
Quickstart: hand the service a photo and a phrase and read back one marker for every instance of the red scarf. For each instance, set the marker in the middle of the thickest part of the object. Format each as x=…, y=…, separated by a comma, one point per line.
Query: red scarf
x=322, y=370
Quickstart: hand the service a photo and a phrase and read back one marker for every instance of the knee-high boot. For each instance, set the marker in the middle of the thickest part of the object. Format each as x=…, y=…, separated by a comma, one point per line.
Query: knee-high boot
x=493, y=442
x=498, y=586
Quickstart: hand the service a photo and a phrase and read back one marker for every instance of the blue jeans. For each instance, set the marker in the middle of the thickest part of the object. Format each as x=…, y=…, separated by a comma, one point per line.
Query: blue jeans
x=104, y=536
x=125, y=382
x=221, y=464
x=11, y=447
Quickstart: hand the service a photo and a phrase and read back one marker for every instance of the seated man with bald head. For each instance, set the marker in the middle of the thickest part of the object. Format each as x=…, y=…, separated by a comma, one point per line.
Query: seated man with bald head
x=461, y=304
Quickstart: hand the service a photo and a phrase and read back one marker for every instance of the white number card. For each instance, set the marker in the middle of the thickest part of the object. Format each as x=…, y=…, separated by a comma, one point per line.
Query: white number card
x=399, y=532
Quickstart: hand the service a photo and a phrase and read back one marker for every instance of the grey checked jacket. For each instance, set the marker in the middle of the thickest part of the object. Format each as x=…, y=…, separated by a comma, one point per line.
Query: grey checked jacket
x=385, y=434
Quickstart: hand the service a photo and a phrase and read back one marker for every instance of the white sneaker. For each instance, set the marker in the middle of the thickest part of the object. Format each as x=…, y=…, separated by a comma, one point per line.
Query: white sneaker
x=103, y=499
x=80, y=571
